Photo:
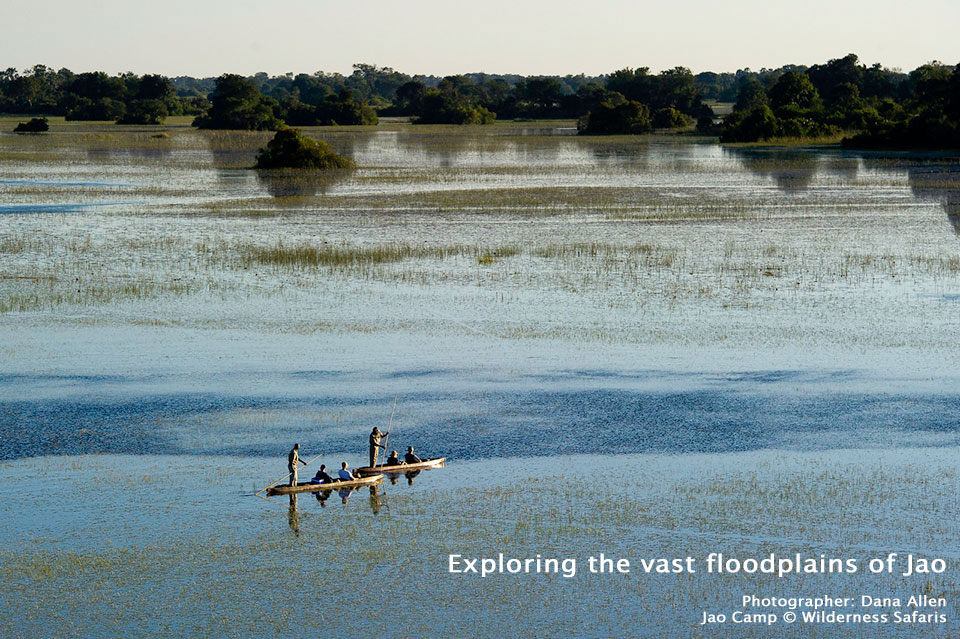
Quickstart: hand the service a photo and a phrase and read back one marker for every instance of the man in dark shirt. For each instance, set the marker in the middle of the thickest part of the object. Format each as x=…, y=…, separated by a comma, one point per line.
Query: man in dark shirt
x=410, y=458
x=322, y=477
x=393, y=459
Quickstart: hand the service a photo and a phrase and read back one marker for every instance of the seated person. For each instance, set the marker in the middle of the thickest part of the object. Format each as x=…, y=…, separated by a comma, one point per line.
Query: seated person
x=393, y=459
x=321, y=477
x=345, y=475
x=410, y=458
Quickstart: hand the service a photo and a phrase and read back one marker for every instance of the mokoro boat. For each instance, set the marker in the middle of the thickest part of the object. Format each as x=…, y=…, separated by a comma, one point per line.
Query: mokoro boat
x=435, y=462
x=307, y=487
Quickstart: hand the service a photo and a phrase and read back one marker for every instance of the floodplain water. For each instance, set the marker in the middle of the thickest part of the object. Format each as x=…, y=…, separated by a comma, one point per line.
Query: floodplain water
x=642, y=346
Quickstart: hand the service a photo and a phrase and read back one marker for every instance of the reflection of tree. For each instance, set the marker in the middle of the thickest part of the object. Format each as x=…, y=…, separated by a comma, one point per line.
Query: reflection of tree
x=299, y=183
x=938, y=182
x=149, y=149
x=931, y=179
x=791, y=170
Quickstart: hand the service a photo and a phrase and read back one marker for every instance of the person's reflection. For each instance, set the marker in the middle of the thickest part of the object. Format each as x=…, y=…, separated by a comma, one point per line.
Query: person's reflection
x=322, y=497
x=293, y=515
x=411, y=475
x=375, y=501
x=393, y=479
x=345, y=494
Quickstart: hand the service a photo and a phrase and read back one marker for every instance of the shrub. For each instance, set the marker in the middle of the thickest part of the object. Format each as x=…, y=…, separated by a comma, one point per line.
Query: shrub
x=36, y=125
x=290, y=150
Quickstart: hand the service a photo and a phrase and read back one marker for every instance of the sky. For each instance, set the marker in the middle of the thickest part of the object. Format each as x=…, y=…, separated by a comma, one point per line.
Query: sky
x=443, y=37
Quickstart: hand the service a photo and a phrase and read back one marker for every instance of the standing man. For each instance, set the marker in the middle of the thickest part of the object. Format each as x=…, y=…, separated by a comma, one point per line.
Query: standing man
x=293, y=463
x=375, y=444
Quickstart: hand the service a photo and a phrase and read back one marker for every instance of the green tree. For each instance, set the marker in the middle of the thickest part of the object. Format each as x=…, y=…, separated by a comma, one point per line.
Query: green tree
x=144, y=112
x=794, y=89
x=409, y=96
x=237, y=104
x=628, y=117
x=290, y=150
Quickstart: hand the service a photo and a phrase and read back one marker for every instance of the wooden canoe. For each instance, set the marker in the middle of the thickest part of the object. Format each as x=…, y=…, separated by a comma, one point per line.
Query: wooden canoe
x=307, y=487
x=435, y=462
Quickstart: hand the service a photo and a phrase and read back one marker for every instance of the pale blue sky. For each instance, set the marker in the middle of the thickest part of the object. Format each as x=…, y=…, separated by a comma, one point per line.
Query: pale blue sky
x=209, y=37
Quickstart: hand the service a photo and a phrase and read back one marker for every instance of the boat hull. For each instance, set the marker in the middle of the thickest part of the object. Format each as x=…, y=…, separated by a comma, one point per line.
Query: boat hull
x=436, y=462
x=307, y=487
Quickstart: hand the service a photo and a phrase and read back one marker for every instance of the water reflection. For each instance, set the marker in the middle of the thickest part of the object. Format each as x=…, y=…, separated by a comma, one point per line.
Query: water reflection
x=293, y=515
x=375, y=499
x=939, y=183
x=299, y=183
x=792, y=171
x=931, y=179
x=322, y=496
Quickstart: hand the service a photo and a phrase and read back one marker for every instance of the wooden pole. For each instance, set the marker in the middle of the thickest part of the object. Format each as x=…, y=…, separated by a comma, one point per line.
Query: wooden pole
x=305, y=464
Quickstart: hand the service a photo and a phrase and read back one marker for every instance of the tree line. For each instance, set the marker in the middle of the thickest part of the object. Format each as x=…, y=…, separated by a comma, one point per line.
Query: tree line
x=872, y=106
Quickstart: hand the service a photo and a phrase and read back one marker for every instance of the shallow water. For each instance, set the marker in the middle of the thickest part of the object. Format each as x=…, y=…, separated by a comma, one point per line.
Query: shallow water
x=752, y=350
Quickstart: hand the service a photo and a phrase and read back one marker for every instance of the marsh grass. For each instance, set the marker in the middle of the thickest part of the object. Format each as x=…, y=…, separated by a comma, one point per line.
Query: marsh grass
x=744, y=505
x=823, y=140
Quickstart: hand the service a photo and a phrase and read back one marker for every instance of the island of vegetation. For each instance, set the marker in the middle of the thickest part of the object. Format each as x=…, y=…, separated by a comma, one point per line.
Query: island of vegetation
x=289, y=149
x=35, y=125
x=867, y=107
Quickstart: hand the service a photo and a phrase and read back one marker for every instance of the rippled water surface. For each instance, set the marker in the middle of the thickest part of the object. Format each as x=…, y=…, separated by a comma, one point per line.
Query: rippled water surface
x=645, y=346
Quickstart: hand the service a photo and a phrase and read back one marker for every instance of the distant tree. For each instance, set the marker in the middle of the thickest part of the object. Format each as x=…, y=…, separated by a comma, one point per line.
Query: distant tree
x=237, y=104
x=144, y=112
x=751, y=94
x=409, y=96
x=670, y=118
x=98, y=85
x=759, y=123
x=606, y=119
x=449, y=107
x=343, y=109
x=539, y=97
x=36, y=125
x=101, y=109
x=794, y=89
x=290, y=150
x=827, y=77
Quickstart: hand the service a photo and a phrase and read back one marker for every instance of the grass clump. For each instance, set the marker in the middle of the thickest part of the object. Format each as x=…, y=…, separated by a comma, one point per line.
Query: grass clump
x=306, y=256
x=290, y=150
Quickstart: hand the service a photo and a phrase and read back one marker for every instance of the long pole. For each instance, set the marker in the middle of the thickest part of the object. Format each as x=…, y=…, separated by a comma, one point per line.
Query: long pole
x=285, y=476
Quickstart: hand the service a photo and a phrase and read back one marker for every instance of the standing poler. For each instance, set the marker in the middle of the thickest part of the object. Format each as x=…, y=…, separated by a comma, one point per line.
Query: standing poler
x=375, y=444
x=293, y=463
